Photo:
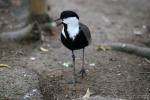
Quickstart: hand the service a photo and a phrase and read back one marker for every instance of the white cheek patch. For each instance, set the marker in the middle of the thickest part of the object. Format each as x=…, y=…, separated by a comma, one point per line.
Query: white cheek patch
x=63, y=32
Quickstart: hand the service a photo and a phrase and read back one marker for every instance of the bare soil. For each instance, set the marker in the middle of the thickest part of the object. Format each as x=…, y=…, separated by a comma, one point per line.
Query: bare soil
x=115, y=74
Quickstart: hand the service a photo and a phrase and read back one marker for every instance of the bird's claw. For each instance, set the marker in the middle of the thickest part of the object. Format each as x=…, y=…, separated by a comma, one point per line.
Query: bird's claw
x=82, y=72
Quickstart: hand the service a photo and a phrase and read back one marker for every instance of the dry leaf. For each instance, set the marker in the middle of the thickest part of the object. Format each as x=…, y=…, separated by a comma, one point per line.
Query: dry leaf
x=43, y=49
x=87, y=95
x=4, y=65
x=103, y=48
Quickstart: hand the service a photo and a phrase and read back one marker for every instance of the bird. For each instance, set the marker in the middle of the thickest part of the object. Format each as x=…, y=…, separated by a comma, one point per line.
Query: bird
x=74, y=36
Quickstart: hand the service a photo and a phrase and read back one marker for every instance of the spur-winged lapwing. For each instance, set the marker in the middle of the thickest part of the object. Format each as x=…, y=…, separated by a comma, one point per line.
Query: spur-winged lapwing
x=75, y=35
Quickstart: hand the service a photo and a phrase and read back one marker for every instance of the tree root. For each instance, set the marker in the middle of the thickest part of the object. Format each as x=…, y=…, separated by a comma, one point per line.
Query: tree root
x=17, y=34
x=128, y=48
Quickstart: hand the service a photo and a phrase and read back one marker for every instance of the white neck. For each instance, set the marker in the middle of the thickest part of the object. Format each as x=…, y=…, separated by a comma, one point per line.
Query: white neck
x=72, y=27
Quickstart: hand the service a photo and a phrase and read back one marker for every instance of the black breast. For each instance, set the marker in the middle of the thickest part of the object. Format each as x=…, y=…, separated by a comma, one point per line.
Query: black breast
x=82, y=39
x=79, y=42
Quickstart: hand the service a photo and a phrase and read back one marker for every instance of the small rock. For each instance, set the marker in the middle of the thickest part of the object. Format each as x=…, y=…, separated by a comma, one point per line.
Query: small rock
x=92, y=64
x=137, y=32
x=32, y=58
x=67, y=64
x=25, y=75
x=34, y=90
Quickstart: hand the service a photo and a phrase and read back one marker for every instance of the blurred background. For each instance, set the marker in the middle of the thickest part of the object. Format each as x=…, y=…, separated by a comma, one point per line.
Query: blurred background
x=34, y=65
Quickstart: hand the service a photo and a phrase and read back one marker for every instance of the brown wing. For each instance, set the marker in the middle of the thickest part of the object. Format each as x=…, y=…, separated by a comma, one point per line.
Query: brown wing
x=86, y=32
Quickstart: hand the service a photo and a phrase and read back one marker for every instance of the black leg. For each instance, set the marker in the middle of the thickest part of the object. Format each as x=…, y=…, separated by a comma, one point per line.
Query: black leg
x=74, y=74
x=83, y=60
x=82, y=72
x=74, y=81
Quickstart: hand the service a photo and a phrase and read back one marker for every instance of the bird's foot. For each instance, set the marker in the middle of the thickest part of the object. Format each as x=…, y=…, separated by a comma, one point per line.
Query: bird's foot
x=82, y=72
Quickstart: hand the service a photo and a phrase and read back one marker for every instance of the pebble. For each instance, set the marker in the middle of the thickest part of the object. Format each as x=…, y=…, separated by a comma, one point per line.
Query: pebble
x=67, y=64
x=136, y=32
x=92, y=64
x=32, y=58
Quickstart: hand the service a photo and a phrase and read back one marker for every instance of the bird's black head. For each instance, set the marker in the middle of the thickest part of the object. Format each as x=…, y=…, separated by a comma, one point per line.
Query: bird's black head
x=68, y=13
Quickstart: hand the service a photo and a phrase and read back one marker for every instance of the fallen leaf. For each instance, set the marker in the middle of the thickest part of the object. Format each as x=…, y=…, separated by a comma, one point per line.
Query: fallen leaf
x=87, y=95
x=4, y=65
x=43, y=49
x=103, y=48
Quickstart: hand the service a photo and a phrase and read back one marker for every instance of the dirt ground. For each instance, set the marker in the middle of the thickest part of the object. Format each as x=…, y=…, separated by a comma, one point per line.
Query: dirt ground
x=109, y=73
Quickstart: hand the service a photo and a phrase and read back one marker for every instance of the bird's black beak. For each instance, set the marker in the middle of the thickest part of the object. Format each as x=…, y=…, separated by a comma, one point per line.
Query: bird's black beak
x=58, y=23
